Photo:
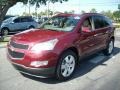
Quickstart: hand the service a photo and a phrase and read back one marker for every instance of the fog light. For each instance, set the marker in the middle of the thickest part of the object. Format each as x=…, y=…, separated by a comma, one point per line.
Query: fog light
x=39, y=63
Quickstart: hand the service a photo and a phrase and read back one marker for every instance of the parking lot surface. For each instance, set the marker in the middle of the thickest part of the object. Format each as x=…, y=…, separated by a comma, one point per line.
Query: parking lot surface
x=98, y=72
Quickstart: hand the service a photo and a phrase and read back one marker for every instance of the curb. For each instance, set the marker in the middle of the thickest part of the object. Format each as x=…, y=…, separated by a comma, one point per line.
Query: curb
x=3, y=45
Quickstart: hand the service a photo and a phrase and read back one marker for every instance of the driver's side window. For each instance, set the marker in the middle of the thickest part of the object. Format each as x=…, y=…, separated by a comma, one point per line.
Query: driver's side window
x=17, y=20
x=86, y=25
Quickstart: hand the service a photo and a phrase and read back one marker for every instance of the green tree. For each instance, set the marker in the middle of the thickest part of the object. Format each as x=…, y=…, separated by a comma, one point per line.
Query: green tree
x=50, y=13
x=108, y=14
x=116, y=14
x=25, y=14
x=69, y=12
x=34, y=14
x=57, y=12
x=66, y=12
x=6, y=4
x=47, y=13
x=42, y=13
x=82, y=11
x=93, y=10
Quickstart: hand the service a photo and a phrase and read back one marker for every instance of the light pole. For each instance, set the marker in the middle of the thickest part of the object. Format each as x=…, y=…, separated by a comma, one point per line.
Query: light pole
x=37, y=6
x=119, y=7
x=29, y=6
x=36, y=12
x=48, y=9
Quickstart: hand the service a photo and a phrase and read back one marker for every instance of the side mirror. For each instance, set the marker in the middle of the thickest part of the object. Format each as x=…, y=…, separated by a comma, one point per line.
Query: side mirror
x=12, y=22
x=85, y=29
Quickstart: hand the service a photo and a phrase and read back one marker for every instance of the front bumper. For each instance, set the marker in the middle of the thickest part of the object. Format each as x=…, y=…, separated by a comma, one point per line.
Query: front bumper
x=36, y=72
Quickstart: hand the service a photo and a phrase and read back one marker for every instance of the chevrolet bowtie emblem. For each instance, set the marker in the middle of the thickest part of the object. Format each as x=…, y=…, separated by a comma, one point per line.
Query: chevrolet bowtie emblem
x=12, y=49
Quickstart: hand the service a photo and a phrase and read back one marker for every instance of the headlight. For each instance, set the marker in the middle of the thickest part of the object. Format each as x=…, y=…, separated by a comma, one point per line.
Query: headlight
x=48, y=45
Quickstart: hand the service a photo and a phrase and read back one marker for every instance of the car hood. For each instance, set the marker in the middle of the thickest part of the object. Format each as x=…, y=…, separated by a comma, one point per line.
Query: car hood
x=37, y=35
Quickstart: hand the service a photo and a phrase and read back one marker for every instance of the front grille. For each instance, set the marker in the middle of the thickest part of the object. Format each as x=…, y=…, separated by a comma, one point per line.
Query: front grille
x=19, y=46
x=15, y=54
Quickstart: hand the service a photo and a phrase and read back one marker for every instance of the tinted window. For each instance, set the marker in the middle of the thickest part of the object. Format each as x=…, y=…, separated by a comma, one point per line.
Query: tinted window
x=101, y=22
x=30, y=19
x=27, y=19
x=98, y=22
x=107, y=22
x=7, y=16
x=24, y=20
x=17, y=20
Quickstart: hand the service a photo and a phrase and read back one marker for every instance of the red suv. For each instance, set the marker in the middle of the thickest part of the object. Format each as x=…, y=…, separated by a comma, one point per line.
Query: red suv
x=59, y=44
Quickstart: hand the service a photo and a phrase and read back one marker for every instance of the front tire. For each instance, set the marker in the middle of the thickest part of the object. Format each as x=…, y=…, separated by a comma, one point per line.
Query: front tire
x=66, y=65
x=110, y=48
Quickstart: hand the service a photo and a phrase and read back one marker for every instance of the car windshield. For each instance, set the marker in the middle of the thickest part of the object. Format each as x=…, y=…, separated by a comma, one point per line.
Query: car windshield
x=61, y=23
x=8, y=20
x=8, y=16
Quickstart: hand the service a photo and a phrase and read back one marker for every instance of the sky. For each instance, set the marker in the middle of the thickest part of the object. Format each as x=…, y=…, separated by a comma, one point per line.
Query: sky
x=76, y=5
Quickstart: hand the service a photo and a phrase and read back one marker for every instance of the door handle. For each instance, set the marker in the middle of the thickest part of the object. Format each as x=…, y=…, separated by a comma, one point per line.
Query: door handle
x=107, y=32
x=96, y=35
x=91, y=45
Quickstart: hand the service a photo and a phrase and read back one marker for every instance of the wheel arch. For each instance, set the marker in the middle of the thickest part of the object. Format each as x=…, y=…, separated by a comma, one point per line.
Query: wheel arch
x=5, y=28
x=31, y=26
x=74, y=49
x=59, y=76
x=113, y=38
x=1, y=31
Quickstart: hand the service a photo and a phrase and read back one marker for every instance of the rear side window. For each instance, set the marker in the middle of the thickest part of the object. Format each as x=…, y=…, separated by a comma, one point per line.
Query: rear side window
x=100, y=22
x=108, y=22
x=30, y=19
x=24, y=20
x=27, y=19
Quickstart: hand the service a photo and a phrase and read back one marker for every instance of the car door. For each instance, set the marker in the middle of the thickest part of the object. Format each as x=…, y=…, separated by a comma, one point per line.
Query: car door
x=25, y=23
x=86, y=40
x=15, y=24
x=101, y=31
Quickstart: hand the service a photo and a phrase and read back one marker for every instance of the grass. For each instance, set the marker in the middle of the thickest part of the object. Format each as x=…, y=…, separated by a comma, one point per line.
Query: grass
x=5, y=41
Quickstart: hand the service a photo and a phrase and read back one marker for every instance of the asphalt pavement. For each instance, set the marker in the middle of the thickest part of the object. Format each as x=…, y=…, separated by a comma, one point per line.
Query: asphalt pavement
x=98, y=72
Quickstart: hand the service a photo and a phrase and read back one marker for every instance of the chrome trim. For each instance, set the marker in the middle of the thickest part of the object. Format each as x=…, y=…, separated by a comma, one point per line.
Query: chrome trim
x=19, y=43
x=26, y=66
x=32, y=75
x=10, y=46
x=13, y=57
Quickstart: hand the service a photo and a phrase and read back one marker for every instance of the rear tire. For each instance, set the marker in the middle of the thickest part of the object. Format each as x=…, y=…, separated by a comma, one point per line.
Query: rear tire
x=66, y=65
x=4, y=32
x=110, y=48
x=31, y=27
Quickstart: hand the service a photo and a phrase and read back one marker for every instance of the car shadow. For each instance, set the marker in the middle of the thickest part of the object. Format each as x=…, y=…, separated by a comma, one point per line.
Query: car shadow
x=83, y=68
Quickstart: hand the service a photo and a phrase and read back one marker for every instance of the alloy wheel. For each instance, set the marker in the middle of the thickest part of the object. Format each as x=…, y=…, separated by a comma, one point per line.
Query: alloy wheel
x=68, y=65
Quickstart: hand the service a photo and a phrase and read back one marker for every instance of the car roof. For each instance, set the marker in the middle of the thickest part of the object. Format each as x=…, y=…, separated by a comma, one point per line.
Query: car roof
x=23, y=16
x=11, y=18
x=84, y=14
x=67, y=15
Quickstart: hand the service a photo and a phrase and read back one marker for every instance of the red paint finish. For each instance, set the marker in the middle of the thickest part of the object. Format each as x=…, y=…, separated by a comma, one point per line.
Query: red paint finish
x=84, y=42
